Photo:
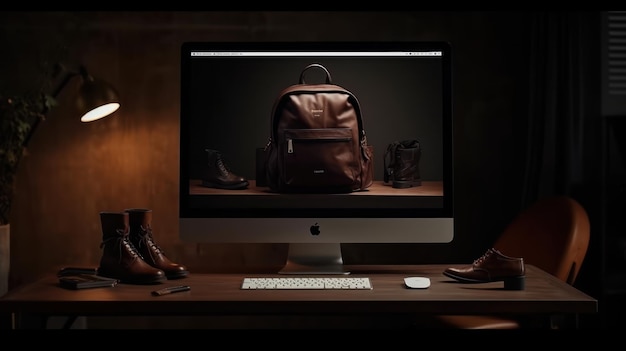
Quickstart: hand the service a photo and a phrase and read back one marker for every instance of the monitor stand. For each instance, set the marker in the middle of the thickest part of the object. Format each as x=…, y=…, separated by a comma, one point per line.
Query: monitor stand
x=314, y=258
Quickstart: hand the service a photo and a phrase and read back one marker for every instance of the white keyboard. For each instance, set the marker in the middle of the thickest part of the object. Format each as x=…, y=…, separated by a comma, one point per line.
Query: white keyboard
x=306, y=283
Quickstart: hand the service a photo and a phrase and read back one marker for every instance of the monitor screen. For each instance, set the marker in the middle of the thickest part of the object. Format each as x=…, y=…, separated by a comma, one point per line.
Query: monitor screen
x=402, y=92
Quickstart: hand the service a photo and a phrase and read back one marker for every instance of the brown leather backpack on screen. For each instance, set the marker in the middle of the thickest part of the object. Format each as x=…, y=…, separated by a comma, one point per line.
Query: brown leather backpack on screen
x=317, y=142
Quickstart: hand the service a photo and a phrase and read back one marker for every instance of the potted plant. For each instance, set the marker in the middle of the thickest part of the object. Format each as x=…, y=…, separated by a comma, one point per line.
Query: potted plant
x=19, y=115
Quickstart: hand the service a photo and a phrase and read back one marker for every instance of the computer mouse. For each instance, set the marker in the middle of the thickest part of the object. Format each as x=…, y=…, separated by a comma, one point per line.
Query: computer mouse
x=417, y=282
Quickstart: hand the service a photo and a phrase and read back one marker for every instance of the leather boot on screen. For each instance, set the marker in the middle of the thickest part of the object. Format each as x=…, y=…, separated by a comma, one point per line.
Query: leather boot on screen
x=217, y=174
x=402, y=162
x=140, y=221
x=120, y=259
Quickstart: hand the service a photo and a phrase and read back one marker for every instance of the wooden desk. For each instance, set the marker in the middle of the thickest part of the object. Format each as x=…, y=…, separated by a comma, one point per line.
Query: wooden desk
x=219, y=294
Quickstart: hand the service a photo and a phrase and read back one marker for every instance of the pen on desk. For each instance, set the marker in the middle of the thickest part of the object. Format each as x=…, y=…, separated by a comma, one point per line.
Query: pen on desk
x=171, y=289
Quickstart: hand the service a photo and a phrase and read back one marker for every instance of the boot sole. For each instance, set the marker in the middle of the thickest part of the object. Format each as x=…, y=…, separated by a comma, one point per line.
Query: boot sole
x=224, y=186
x=403, y=184
x=510, y=283
x=177, y=275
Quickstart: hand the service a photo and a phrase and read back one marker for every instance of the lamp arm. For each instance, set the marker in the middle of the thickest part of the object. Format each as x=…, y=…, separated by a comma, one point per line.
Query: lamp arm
x=57, y=90
x=66, y=78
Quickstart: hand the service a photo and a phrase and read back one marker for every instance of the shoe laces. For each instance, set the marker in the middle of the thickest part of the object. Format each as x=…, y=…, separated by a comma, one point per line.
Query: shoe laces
x=122, y=239
x=483, y=257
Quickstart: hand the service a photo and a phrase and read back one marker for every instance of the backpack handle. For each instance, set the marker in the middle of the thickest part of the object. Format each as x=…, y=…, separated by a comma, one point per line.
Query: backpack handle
x=315, y=65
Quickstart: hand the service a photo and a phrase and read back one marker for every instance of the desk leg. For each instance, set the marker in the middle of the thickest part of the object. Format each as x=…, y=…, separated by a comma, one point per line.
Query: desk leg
x=36, y=321
x=7, y=321
x=29, y=321
x=564, y=322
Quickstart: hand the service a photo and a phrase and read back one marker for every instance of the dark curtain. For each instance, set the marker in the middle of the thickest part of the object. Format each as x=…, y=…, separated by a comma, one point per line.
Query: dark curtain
x=563, y=153
x=563, y=118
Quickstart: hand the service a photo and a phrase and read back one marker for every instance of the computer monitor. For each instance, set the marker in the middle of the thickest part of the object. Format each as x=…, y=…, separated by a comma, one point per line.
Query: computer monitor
x=227, y=93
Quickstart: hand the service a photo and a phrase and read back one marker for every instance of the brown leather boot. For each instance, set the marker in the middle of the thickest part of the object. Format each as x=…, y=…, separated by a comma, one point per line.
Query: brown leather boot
x=140, y=220
x=120, y=259
x=217, y=175
x=402, y=164
x=493, y=266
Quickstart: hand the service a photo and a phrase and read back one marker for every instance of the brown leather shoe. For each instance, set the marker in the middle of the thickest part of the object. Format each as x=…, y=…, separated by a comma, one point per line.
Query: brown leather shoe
x=493, y=266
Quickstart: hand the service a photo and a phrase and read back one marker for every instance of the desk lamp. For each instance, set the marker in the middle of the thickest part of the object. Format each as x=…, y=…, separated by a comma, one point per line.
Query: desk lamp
x=96, y=98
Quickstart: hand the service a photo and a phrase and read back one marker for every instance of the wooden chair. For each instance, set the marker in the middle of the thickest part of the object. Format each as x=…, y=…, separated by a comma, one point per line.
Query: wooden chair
x=552, y=234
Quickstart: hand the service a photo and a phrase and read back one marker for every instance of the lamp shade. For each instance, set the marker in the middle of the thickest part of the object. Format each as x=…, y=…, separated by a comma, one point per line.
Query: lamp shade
x=96, y=99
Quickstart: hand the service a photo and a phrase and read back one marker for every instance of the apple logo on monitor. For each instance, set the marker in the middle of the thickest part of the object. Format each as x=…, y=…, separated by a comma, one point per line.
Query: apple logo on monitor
x=315, y=229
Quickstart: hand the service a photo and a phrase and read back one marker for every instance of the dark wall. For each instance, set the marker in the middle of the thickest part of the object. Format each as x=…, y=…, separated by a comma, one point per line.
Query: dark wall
x=73, y=171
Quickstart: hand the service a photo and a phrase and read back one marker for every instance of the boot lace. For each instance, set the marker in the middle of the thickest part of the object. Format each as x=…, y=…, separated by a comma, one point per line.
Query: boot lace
x=118, y=241
x=223, y=168
x=146, y=239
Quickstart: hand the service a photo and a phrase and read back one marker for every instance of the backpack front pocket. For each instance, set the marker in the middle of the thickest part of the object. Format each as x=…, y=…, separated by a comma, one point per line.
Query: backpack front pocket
x=319, y=158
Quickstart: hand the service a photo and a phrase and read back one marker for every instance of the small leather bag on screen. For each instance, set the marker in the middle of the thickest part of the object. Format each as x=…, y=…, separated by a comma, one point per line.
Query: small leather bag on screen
x=401, y=162
x=317, y=141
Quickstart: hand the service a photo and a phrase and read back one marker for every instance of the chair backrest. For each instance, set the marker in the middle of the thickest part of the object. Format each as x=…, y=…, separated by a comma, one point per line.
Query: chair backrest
x=552, y=234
